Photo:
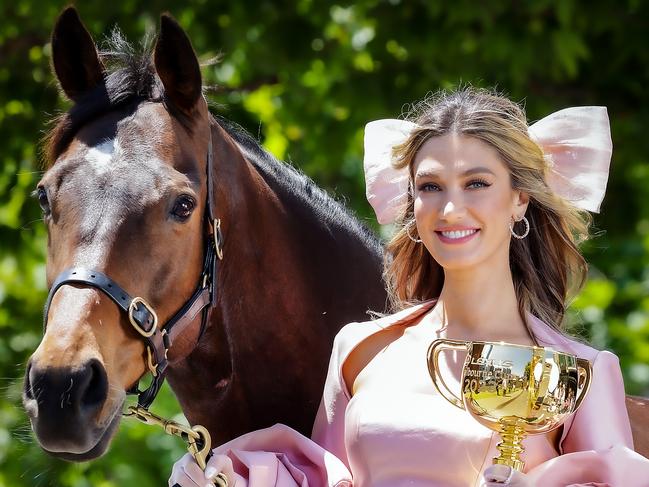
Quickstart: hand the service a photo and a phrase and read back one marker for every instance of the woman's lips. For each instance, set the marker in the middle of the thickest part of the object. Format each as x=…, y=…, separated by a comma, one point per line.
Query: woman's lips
x=456, y=236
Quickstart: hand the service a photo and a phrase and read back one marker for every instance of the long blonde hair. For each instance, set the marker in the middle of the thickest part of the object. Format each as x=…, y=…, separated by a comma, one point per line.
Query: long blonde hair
x=547, y=266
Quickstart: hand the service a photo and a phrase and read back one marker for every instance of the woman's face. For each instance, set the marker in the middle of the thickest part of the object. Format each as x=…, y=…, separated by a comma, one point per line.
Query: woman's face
x=464, y=202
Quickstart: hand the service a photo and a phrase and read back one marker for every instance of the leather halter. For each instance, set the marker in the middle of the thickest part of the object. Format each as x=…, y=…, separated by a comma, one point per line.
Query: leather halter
x=158, y=340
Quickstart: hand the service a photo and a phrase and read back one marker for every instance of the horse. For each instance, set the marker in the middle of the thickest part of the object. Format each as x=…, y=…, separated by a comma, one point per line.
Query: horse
x=160, y=214
x=246, y=266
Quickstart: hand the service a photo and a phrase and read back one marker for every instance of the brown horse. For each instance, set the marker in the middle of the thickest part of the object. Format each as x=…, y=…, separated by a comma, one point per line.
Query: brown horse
x=141, y=180
x=139, y=171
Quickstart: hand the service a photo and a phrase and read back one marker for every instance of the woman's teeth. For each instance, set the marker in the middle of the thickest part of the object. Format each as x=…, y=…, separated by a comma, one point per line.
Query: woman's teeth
x=459, y=233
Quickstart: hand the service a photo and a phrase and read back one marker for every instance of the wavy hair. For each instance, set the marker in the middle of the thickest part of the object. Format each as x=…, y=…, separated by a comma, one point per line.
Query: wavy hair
x=547, y=266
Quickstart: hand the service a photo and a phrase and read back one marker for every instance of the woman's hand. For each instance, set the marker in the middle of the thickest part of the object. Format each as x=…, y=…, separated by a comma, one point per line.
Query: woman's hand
x=500, y=475
x=187, y=473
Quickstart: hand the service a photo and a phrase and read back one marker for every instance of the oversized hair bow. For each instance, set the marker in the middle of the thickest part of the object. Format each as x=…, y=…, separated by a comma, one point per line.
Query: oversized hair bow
x=576, y=142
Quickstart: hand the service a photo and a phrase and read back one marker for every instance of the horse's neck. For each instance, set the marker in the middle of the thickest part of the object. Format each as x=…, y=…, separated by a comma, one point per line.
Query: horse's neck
x=286, y=257
x=287, y=282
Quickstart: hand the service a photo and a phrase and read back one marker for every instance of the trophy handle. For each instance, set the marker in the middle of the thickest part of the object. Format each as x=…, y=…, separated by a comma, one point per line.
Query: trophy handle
x=585, y=371
x=433, y=367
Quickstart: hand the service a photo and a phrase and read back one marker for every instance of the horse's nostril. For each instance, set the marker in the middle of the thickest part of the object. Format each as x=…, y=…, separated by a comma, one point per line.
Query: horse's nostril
x=94, y=387
x=29, y=394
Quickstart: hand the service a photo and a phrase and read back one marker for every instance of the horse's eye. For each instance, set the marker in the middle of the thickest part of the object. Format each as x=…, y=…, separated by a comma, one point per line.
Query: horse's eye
x=41, y=194
x=183, y=207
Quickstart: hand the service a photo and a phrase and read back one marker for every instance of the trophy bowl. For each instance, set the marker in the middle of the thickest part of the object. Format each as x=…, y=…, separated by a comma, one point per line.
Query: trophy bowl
x=515, y=390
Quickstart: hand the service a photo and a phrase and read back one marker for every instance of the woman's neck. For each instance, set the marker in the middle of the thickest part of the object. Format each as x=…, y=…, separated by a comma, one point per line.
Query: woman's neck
x=481, y=304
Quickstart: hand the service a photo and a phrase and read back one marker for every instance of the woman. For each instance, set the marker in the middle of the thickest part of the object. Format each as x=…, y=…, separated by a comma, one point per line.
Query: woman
x=490, y=217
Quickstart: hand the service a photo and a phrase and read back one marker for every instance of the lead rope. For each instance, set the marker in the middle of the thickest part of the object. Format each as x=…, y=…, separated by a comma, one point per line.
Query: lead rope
x=199, y=442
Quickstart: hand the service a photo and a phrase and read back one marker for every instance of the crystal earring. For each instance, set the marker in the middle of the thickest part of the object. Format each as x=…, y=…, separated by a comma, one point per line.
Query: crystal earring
x=416, y=240
x=525, y=233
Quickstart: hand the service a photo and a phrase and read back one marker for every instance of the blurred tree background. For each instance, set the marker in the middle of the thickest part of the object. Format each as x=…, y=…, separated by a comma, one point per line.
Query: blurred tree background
x=305, y=76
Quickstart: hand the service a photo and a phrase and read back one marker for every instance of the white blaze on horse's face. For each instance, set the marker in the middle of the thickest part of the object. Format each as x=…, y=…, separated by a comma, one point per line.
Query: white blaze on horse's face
x=101, y=155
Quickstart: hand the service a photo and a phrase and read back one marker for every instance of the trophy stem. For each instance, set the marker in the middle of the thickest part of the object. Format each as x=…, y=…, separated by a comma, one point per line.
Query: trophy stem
x=511, y=446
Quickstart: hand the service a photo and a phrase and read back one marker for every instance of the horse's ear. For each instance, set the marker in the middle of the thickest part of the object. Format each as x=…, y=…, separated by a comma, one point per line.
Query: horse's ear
x=177, y=65
x=74, y=55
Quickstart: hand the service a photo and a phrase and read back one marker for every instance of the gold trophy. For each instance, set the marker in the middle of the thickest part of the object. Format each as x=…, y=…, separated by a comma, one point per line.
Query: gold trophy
x=515, y=390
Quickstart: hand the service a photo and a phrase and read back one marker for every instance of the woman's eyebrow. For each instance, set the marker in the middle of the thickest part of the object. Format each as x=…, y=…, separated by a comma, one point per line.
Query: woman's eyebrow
x=429, y=173
x=478, y=170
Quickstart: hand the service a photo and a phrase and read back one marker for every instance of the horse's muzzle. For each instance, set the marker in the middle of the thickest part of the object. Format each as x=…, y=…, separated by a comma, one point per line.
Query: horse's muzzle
x=64, y=406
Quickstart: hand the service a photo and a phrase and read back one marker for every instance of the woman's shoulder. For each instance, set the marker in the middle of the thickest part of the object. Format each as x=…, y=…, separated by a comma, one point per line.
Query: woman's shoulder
x=353, y=333
x=549, y=337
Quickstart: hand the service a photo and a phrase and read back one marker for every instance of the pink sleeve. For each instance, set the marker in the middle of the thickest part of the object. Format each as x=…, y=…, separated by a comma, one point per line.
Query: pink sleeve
x=272, y=457
x=285, y=454
x=618, y=466
x=329, y=425
x=597, y=446
x=602, y=420
x=280, y=456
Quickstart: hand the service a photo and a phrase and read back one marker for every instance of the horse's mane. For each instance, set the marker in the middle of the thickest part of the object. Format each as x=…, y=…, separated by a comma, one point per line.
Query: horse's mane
x=130, y=79
x=294, y=184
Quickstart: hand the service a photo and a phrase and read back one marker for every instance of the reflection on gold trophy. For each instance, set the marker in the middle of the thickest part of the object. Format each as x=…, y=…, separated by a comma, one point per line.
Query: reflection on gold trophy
x=515, y=390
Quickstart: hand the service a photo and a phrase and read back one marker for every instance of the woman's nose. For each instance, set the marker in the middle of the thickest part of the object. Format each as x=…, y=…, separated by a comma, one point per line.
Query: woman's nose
x=452, y=210
x=449, y=208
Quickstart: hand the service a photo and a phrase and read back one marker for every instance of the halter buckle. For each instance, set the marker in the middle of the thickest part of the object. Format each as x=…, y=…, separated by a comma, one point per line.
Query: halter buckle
x=132, y=308
x=218, y=238
x=152, y=368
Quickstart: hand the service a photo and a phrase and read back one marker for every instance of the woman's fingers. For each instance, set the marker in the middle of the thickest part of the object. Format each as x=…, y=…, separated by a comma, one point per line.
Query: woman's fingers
x=500, y=475
x=219, y=464
x=186, y=473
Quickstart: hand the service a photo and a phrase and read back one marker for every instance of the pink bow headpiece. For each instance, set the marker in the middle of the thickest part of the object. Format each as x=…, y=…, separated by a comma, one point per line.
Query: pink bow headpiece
x=576, y=142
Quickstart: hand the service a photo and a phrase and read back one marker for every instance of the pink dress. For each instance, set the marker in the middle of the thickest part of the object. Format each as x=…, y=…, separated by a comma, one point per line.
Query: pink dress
x=384, y=437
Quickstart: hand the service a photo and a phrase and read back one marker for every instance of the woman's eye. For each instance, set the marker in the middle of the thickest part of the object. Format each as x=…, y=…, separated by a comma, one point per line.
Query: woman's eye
x=43, y=201
x=183, y=207
x=479, y=183
x=428, y=187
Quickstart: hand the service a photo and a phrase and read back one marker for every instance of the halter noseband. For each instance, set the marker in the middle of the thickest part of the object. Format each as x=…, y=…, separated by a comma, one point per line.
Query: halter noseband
x=158, y=340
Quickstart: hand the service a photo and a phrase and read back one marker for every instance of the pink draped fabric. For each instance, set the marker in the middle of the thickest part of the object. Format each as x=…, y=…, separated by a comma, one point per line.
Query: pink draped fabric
x=276, y=456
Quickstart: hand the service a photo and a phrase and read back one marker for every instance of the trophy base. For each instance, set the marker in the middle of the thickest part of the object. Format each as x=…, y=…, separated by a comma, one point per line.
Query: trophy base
x=511, y=446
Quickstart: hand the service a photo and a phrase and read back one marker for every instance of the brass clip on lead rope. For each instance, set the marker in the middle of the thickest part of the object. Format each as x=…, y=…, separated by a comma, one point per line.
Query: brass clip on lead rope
x=197, y=437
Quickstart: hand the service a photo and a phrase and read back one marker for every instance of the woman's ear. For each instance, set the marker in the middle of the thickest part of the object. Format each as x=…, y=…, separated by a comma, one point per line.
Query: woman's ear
x=520, y=202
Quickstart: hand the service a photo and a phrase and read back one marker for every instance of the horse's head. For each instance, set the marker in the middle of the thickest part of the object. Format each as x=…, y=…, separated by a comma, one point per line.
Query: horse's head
x=125, y=195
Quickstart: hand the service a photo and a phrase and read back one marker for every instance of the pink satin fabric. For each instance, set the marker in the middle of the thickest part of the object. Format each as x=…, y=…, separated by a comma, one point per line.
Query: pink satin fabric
x=276, y=456
x=386, y=188
x=384, y=437
x=577, y=143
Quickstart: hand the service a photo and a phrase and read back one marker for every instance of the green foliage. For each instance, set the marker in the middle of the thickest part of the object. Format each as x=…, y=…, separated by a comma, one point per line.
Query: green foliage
x=306, y=76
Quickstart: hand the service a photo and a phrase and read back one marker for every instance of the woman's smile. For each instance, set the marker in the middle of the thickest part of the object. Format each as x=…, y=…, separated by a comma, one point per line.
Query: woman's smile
x=457, y=235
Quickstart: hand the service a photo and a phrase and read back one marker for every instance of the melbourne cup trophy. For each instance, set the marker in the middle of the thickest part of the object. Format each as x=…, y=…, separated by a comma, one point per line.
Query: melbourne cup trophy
x=515, y=390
